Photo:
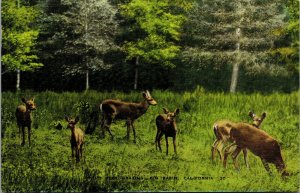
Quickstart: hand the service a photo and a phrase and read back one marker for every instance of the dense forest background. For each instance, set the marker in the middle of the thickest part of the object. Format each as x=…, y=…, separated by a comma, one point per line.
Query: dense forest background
x=220, y=45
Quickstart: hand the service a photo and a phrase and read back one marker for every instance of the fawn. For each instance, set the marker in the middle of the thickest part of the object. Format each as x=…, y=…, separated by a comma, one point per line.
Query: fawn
x=24, y=117
x=76, y=139
x=166, y=125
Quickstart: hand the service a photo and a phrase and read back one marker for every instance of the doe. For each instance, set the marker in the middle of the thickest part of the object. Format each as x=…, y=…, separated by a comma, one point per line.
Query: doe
x=259, y=143
x=120, y=110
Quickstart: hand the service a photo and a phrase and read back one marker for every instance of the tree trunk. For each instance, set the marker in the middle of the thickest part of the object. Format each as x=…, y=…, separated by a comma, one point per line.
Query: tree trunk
x=87, y=84
x=235, y=68
x=234, y=77
x=18, y=80
x=136, y=75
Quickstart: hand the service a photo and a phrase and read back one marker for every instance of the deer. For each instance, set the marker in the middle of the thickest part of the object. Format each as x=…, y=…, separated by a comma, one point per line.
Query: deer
x=24, y=118
x=121, y=110
x=259, y=142
x=222, y=132
x=76, y=139
x=166, y=125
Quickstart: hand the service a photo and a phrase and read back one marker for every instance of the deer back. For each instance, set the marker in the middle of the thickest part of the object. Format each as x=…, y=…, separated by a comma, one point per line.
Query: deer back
x=257, y=141
x=123, y=110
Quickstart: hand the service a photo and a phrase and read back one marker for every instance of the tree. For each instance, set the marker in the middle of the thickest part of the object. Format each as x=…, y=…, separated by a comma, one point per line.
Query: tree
x=86, y=35
x=19, y=38
x=154, y=29
x=236, y=33
x=288, y=46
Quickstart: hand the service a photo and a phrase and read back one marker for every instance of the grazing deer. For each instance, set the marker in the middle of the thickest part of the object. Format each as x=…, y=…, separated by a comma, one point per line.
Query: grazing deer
x=222, y=132
x=76, y=139
x=119, y=110
x=166, y=125
x=24, y=118
x=260, y=143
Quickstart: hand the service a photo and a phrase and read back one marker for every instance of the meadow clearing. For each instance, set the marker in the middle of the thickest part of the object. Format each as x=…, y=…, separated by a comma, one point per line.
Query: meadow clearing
x=122, y=165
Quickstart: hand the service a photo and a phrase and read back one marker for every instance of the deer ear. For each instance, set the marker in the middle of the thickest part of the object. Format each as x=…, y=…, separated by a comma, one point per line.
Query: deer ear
x=176, y=111
x=76, y=119
x=32, y=99
x=264, y=115
x=23, y=100
x=67, y=118
x=166, y=111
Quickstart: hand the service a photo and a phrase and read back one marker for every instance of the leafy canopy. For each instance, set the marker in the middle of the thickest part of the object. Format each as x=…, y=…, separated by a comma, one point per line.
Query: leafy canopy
x=19, y=36
x=160, y=25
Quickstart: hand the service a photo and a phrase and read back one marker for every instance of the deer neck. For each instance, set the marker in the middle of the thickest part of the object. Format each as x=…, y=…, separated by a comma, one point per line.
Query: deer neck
x=73, y=132
x=144, y=106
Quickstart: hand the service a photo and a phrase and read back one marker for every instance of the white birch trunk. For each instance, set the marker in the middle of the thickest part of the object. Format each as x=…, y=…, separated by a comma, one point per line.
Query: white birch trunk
x=136, y=75
x=18, y=80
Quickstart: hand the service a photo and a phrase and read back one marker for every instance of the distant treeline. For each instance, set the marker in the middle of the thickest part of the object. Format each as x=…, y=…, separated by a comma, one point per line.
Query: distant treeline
x=219, y=45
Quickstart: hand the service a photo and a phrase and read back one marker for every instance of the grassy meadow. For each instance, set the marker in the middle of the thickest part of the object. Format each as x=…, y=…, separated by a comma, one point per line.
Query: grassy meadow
x=122, y=165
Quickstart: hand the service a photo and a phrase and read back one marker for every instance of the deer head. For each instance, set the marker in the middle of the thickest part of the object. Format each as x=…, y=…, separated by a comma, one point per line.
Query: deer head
x=257, y=120
x=30, y=105
x=148, y=98
x=71, y=122
x=171, y=115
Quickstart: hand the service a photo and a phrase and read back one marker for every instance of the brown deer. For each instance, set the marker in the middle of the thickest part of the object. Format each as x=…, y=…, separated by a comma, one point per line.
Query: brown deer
x=76, y=139
x=120, y=110
x=24, y=117
x=166, y=125
x=260, y=143
x=222, y=132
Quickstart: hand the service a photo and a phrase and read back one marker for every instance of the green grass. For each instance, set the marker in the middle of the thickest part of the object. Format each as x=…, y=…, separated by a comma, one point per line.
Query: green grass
x=122, y=165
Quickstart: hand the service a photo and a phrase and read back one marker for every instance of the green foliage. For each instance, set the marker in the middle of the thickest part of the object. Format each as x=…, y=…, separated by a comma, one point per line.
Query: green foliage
x=19, y=36
x=161, y=28
x=121, y=165
x=288, y=49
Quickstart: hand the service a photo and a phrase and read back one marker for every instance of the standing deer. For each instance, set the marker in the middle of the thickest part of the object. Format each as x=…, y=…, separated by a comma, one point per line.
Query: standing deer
x=166, y=125
x=222, y=132
x=119, y=110
x=260, y=143
x=24, y=117
x=76, y=139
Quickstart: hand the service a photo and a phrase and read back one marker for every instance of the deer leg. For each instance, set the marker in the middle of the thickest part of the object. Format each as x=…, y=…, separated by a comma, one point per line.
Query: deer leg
x=156, y=138
x=228, y=150
x=107, y=125
x=77, y=154
x=246, y=157
x=102, y=125
x=234, y=156
x=159, y=140
x=174, y=144
x=133, y=129
x=23, y=135
x=167, y=144
x=266, y=165
x=128, y=129
x=219, y=147
x=29, y=133
x=213, y=149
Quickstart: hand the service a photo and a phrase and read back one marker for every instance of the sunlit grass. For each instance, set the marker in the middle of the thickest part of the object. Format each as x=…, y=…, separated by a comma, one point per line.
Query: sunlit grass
x=122, y=165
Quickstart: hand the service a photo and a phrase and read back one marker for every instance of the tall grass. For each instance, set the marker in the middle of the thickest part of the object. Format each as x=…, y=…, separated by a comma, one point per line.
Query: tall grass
x=122, y=165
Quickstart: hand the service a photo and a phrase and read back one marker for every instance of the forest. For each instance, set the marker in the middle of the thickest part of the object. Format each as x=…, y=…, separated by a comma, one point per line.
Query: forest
x=106, y=45
x=87, y=86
